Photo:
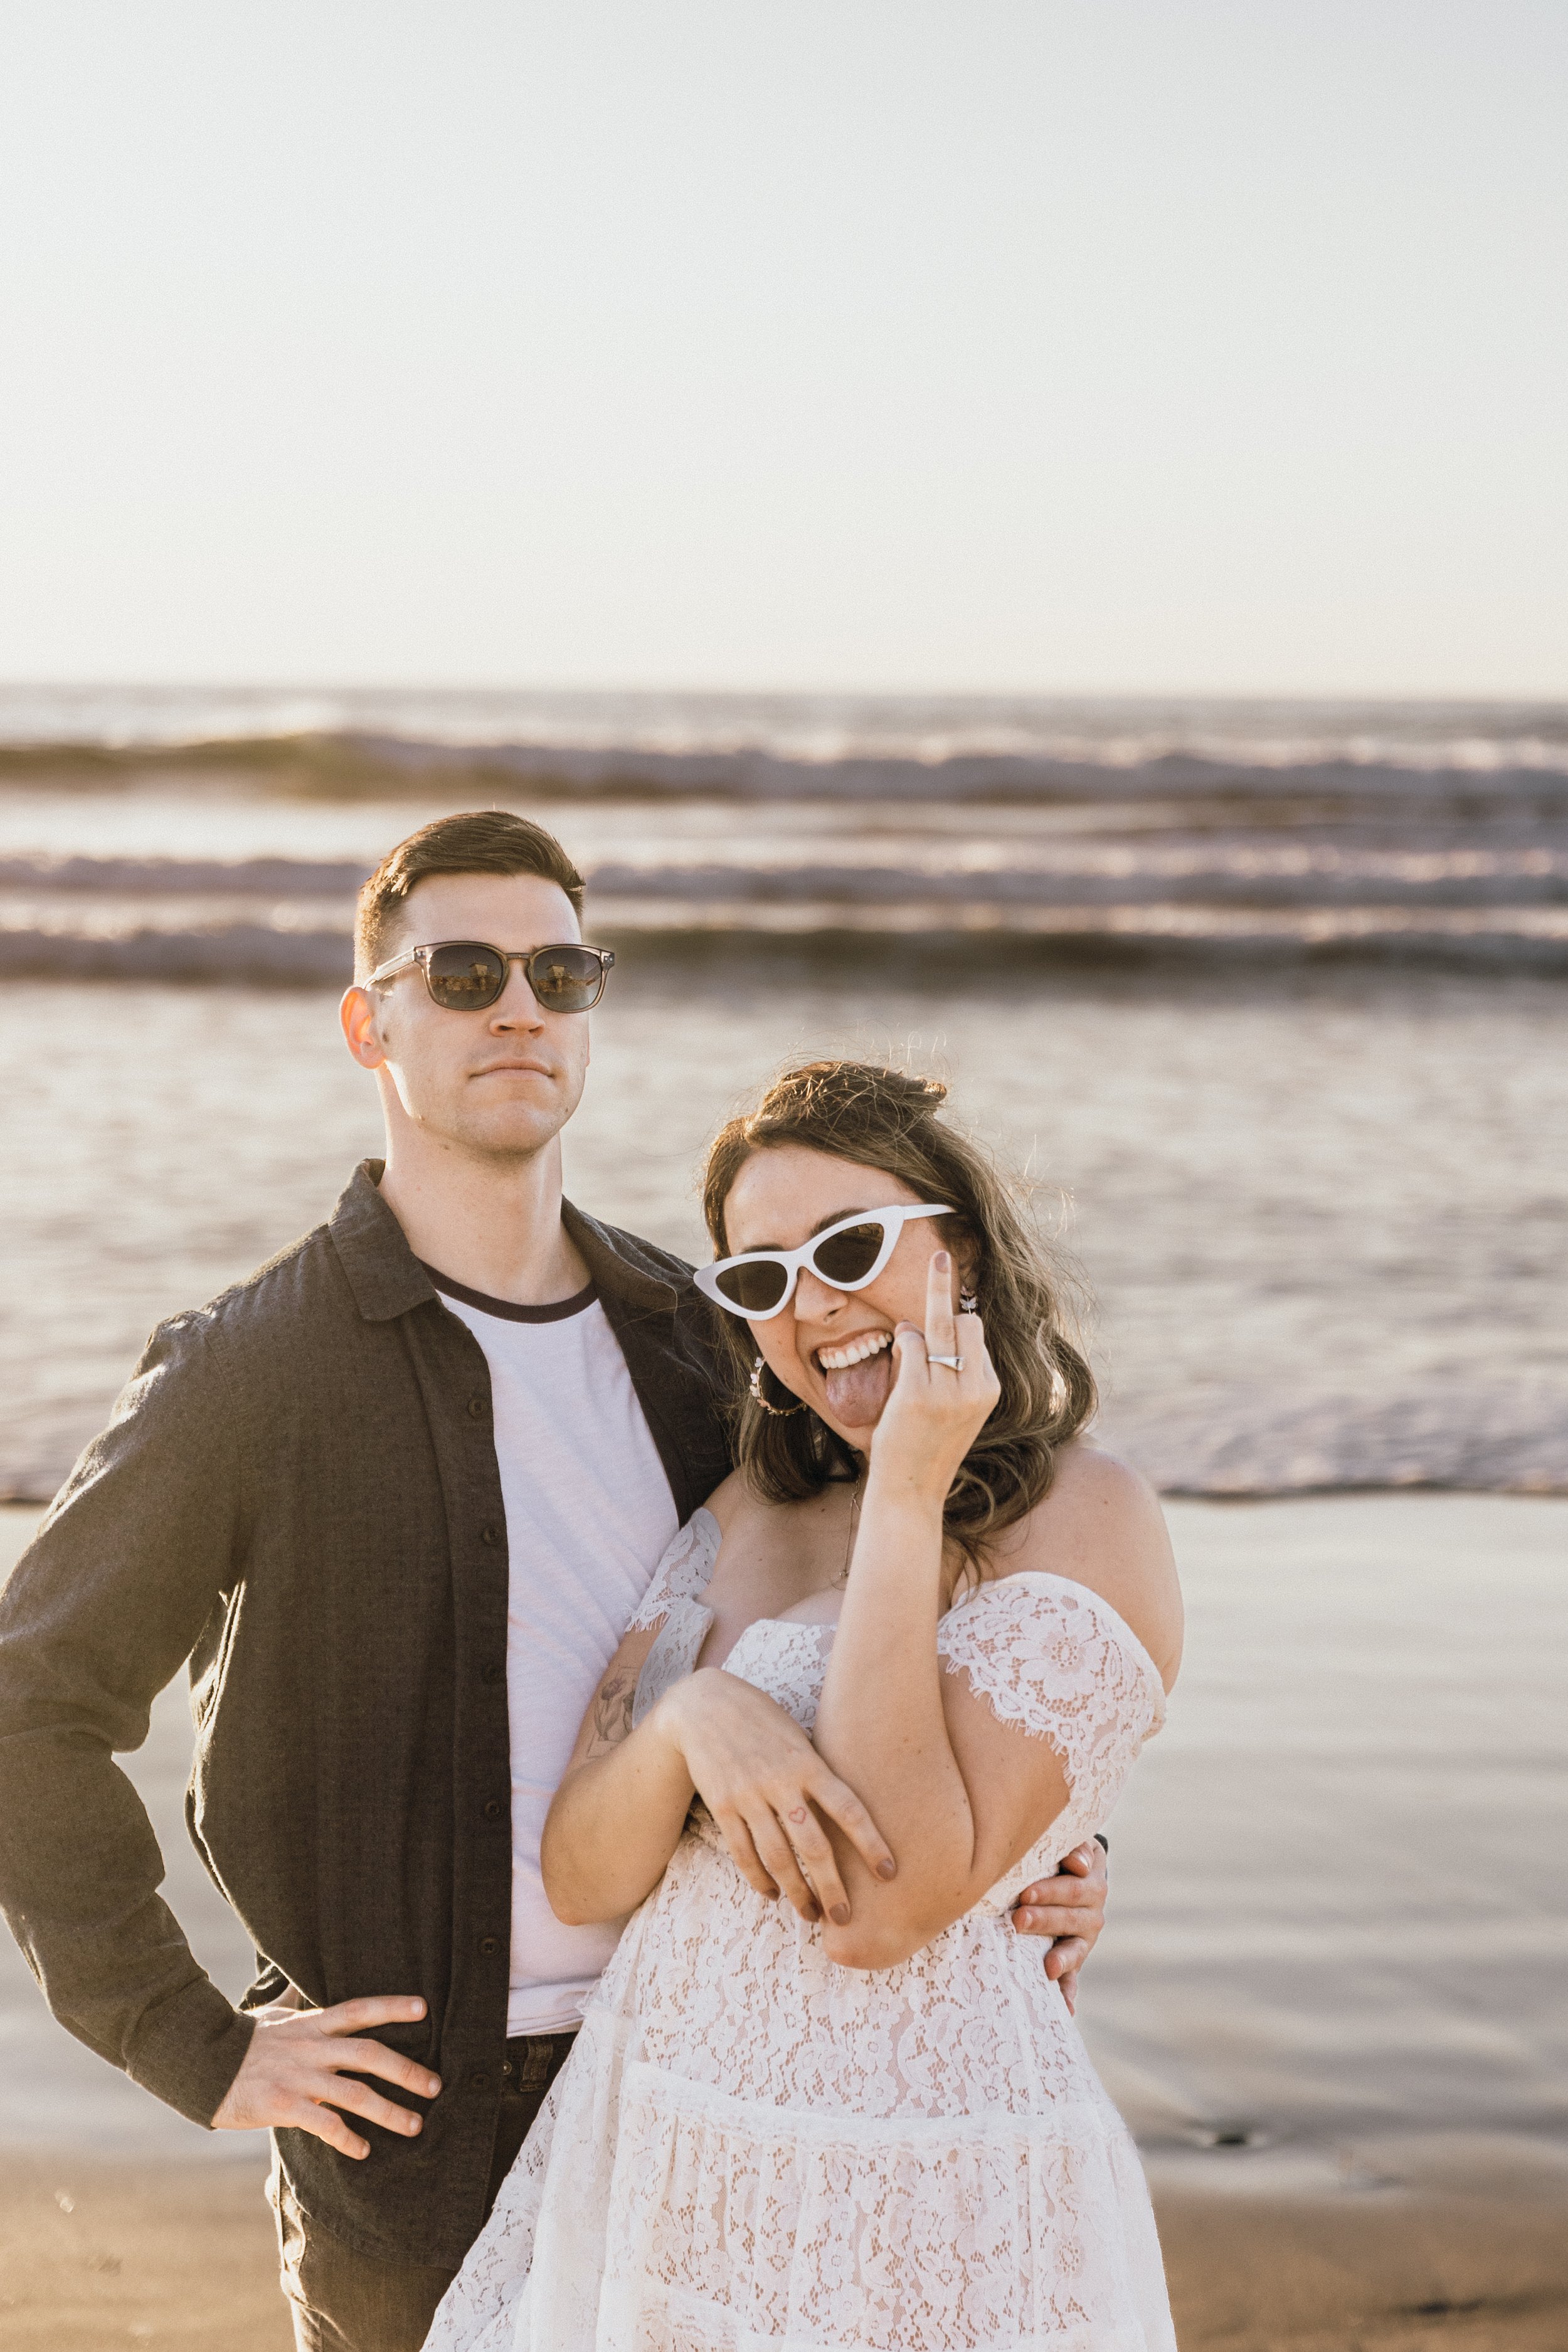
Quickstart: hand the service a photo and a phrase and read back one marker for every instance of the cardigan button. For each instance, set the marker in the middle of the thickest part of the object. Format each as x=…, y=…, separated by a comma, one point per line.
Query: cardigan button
x=493, y=1675
x=493, y=1808
x=489, y=1947
x=478, y=2079
x=490, y=1534
x=476, y=1408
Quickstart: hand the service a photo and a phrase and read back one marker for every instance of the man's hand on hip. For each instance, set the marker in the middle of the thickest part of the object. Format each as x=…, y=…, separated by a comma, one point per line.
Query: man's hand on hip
x=294, y=2076
x=1070, y=1907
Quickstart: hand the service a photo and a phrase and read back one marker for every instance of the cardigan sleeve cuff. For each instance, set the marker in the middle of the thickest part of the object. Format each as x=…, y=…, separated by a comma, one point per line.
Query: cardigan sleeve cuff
x=188, y=2051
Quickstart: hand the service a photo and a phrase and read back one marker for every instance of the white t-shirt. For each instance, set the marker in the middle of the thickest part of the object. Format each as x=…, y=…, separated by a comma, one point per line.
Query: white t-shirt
x=589, y=1515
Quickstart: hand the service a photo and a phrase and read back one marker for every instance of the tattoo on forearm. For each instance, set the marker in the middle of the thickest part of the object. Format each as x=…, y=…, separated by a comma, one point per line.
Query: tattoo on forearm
x=612, y=1711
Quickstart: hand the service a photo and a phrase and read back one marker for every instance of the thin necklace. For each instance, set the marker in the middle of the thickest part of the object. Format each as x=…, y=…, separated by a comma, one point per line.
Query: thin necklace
x=843, y=1576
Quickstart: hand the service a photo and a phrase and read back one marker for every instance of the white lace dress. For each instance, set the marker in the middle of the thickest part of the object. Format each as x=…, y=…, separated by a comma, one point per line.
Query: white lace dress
x=752, y=2147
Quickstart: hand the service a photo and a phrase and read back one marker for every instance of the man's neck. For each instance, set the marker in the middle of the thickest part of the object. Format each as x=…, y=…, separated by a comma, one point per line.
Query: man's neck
x=492, y=1224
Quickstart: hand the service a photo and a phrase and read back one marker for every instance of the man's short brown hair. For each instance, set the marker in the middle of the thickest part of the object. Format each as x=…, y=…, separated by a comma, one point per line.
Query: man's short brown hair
x=480, y=841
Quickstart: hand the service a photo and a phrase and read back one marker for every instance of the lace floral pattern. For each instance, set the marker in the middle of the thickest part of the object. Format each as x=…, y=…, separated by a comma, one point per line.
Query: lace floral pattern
x=786, y=1660
x=754, y=2150
x=673, y=1603
x=683, y=1574
x=1053, y=1660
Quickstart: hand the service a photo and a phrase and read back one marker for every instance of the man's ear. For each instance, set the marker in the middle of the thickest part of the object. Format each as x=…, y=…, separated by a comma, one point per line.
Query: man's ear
x=361, y=1016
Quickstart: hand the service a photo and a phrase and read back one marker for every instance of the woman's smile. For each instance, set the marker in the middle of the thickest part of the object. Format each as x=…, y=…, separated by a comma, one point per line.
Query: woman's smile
x=845, y=1353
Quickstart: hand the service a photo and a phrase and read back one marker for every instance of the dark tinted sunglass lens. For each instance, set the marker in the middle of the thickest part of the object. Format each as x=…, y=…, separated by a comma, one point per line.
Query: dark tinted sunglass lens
x=756, y=1284
x=466, y=975
x=847, y=1257
x=565, y=980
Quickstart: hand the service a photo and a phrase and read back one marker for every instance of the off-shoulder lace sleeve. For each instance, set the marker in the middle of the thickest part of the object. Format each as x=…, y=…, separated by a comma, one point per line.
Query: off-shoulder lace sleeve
x=683, y=1574
x=1050, y=1658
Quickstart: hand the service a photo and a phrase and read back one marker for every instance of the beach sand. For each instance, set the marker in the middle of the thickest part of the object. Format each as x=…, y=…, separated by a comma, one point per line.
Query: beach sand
x=95, y=2256
x=1328, y=2001
x=1456, y=2272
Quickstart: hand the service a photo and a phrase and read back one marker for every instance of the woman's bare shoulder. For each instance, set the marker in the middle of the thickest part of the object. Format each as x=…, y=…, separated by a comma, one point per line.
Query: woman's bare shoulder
x=1101, y=1526
x=740, y=1509
x=732, y=1502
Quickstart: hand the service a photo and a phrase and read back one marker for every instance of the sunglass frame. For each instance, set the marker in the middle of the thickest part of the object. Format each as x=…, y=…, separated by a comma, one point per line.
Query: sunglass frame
x=420, y=956
x=892, y=1221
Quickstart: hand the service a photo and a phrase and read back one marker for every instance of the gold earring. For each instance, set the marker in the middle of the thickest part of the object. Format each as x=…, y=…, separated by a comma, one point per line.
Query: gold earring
x=779, y=1412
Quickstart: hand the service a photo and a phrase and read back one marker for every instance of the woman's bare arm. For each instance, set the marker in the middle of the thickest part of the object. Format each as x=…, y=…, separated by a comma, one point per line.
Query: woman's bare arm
x=961, y=1796
x=618, y=1814
x=622, y=1804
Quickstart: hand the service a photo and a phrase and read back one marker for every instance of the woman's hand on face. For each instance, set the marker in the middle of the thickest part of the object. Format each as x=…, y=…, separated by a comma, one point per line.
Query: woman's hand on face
x=934, y=1414
x=765, y=1784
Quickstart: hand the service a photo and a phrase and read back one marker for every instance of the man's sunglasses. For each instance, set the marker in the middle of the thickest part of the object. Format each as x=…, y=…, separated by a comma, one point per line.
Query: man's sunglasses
x=465, y=975
x=846, y=1256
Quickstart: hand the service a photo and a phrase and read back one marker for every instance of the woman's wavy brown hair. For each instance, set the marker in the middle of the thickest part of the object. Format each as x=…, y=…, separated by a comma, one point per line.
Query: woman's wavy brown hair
x=890, y=1120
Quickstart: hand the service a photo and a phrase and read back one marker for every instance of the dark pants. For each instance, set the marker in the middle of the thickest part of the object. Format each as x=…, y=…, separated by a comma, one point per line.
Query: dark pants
x=345, y=2301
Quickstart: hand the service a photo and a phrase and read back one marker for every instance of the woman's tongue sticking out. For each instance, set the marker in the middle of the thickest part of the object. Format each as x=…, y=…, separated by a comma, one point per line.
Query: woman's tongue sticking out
x=856, y=1392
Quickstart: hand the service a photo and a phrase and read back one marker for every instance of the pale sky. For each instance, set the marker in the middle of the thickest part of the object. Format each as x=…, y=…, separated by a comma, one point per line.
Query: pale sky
x=1163, y=346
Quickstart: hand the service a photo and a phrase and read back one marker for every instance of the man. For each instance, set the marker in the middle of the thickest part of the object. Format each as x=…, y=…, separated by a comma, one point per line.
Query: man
x=392, y=1500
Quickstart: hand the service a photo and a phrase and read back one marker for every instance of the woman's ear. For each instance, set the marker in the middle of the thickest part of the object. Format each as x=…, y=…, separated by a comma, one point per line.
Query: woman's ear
x=966, y=1253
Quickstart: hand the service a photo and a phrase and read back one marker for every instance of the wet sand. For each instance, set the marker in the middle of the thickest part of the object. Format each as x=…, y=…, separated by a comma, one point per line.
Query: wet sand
x=1328, y=2003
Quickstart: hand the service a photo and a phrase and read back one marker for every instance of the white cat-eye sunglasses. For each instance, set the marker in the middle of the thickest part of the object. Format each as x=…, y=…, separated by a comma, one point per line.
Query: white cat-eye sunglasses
x=846, y=1256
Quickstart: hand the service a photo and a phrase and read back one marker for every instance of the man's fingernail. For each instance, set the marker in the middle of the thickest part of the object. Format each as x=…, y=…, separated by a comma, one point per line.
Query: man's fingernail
x=839, y=1914
x=886, y=1869
x=432, y=2086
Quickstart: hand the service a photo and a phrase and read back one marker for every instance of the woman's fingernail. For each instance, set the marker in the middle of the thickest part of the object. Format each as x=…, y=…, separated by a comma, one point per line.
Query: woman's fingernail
x=839, y=1914
x=1025, y=1918
x=886, y=1869
x=941, y=1261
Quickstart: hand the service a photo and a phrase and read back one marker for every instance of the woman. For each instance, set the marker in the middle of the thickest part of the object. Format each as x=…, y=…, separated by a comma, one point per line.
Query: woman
x=859, y=2116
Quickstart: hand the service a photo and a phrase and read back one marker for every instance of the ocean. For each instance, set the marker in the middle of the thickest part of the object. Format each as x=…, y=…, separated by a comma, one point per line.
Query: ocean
x=1266, y=1004
x=191, y=835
